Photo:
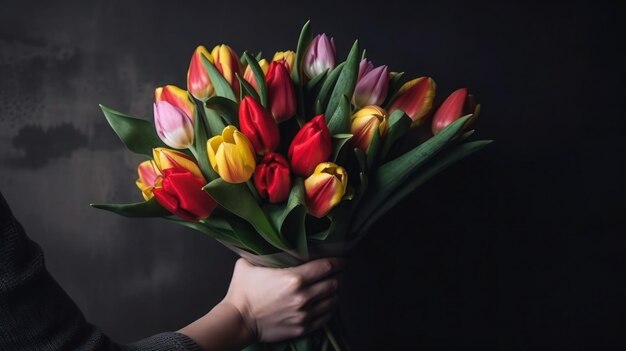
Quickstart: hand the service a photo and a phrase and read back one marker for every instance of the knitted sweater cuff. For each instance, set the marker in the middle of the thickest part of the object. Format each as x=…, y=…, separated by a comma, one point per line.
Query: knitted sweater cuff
x=164, y=341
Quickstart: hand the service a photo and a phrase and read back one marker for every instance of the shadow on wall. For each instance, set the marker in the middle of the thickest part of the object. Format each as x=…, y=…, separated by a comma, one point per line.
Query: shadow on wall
x=38, y=145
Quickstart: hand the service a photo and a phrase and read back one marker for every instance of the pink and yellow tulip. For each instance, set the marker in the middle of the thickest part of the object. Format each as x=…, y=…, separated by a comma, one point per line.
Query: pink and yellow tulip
x=325, y=188
x=365, y=123
x=198, y=81
x=148, y=174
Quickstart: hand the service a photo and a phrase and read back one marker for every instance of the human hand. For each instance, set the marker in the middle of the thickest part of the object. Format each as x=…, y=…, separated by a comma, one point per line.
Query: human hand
x=278, y=304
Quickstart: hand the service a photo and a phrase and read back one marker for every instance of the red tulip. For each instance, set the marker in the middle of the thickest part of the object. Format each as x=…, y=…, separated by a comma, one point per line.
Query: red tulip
x=258, y=125
x=458, y=104
x=272, y=178
x=180, y=192
x=280, y=92
x=310, y=147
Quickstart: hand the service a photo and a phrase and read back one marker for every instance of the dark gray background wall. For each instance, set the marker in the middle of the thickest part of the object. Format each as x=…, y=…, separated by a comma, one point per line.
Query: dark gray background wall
x=520, y=247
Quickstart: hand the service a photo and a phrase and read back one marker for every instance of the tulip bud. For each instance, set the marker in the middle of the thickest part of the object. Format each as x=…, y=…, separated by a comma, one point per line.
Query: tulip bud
x=148, y=176
x=311, y=146
x=228, y=64
x=325, y=188
x=231, y=155
x=320, y=56
x=280, y=92
x=175, y=96
x=272, y=178
x=165, y=158
x=415, y=98
x=458, y=104
x=249, y=76
x=289, y=57
x=180, y=192
x=198, y=81
x=372, y=85
x=173, y=125
x=258, y=125
x=365, y=123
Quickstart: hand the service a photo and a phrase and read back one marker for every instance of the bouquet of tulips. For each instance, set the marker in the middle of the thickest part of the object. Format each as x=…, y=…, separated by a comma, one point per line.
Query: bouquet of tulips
x=291, y=159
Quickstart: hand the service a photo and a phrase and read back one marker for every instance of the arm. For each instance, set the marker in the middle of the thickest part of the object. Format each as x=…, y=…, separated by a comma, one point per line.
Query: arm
x=37, y=314
x=268, y=304
x=261, y=304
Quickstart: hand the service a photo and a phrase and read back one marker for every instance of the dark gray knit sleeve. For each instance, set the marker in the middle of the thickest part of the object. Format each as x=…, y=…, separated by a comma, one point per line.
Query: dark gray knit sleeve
x=37, y=314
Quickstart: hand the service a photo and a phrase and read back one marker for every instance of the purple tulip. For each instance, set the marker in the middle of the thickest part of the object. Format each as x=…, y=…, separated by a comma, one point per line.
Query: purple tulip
x=320, y=56
x=173, y=125
x=372, y=85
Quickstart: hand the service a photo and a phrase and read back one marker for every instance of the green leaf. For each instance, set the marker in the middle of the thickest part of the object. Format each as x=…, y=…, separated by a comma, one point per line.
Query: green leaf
x=339, y=141
x=312, y=85
x=430, y=170
x=214, y=122
x=372, y=150
x=221, y=85
x=303, y=44
x=237, y=199
x=399, y=125
x=138, y=135
x=339, y=122
x=346, y=81
x=388, y=177
x=226, y=108
x=289, y=218
x=212, y=231
x=394, y=85
x=329, y=84
x=249, y=89
x=259, y=78
x=150, y=208
x=200, y=138
x=249, y=237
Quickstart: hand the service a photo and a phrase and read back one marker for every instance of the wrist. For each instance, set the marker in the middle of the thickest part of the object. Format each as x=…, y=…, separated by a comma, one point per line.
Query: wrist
x=241, y=316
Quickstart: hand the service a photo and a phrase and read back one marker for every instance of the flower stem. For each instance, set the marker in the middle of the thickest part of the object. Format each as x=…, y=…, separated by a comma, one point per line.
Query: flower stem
x=253, y=191
x=331, y=338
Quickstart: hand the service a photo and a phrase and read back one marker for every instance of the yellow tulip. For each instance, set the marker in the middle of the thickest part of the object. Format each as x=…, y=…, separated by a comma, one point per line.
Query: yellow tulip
x=289, y=57
x=231, y=155
x=365, y=123
x=227, y=63
x=165, y=158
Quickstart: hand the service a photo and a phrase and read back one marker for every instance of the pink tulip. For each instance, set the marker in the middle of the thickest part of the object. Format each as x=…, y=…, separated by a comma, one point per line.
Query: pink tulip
x=173, y=125
x=320, y=56
x=372, y=85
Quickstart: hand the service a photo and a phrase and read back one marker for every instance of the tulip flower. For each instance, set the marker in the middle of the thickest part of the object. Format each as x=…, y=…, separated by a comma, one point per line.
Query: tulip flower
x=165, y=158
x=198, y=81
x=175, y=96
x=325, y=188
x=231, y=155
x=415, y=98
x=148, y=176
x=280, y=92
x=228, y=64
x=272, y=178
x=365, y=123
x=173, y=125
x=289, y=57
x=458, y=104
x=320, y=56
x=249, y=76
x=180, y=192
x=258, y=125
x=311, y=146
x=372, y=85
